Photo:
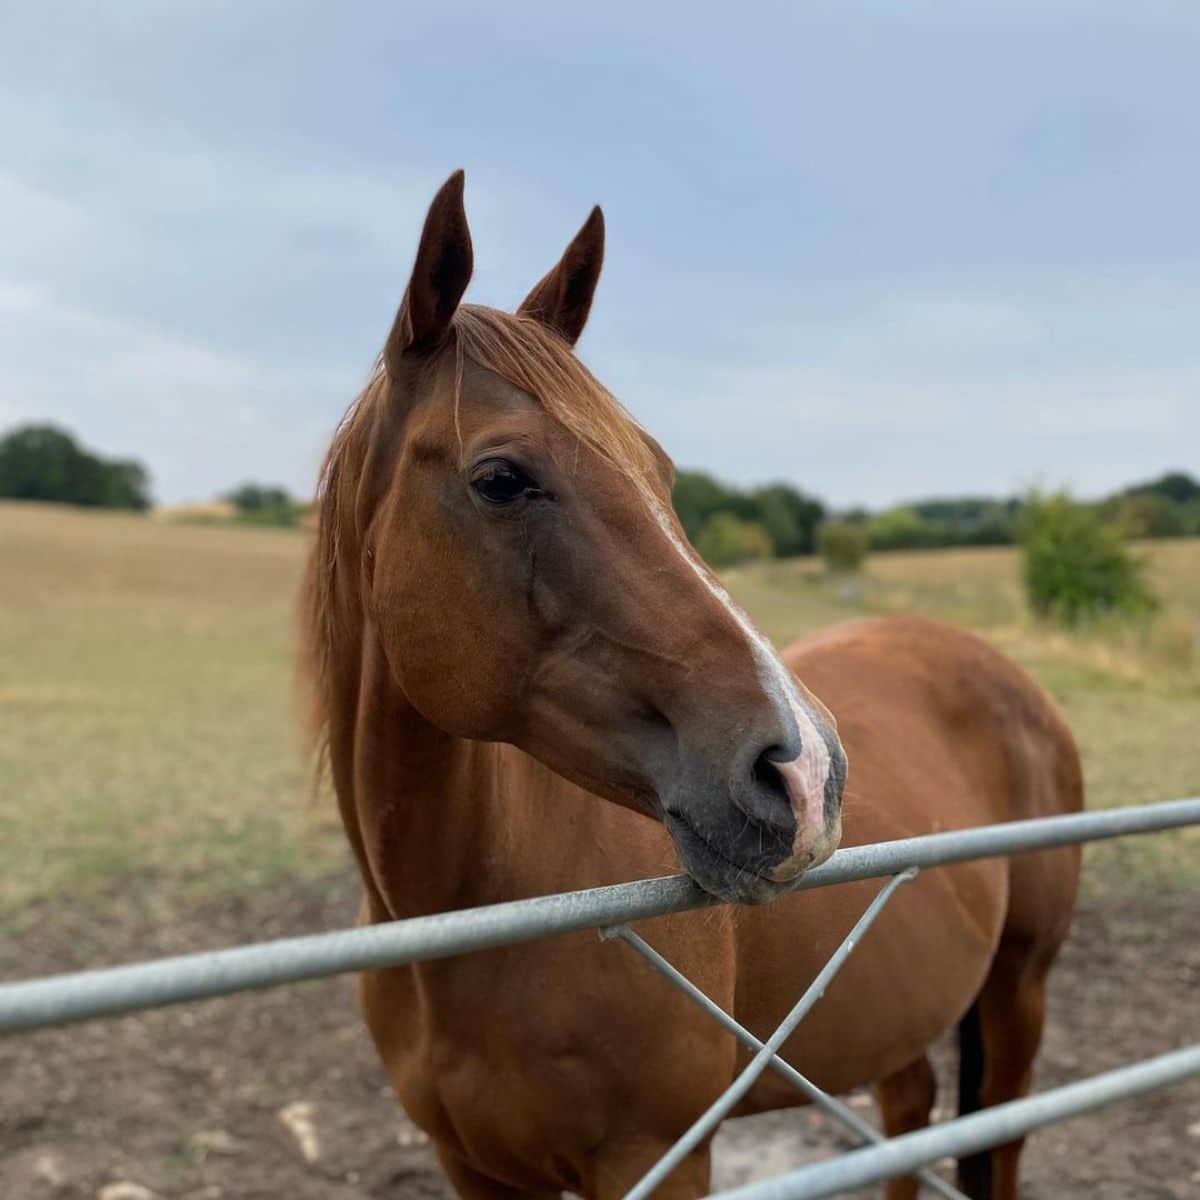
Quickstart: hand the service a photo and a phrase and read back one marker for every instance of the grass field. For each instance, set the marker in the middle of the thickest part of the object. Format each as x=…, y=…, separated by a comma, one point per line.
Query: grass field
x=149, y=748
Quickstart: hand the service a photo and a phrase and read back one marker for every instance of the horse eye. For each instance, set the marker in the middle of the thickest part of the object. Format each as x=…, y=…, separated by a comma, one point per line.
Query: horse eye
x=501, y=482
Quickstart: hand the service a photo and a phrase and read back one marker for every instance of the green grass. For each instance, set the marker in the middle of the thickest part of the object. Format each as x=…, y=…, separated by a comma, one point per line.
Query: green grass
x=149, y=746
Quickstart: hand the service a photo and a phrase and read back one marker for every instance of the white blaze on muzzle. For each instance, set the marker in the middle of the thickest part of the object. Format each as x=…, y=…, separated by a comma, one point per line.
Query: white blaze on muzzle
x=804, y=777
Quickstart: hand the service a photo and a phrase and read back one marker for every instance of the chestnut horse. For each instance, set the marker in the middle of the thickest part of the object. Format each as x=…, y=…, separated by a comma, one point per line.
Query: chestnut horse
x=528, y=682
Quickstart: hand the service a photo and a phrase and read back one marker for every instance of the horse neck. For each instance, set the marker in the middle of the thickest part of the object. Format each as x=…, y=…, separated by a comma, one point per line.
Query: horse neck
x=423, y=809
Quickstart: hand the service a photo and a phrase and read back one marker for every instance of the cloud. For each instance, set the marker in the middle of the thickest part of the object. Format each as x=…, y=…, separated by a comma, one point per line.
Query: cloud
x=202, y=419
x=876, y=252
x=940, y=392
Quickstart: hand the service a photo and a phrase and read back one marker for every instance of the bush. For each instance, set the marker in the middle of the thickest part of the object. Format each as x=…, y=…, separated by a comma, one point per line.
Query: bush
x=1077, y=566
x=727, y=541
x=842, y=545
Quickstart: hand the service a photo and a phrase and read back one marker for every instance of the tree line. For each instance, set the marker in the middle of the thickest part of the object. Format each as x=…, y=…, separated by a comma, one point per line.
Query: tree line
x=727, y=524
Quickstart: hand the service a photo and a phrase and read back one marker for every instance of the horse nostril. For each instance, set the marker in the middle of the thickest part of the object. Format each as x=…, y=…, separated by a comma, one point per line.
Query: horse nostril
x=778, y=752
x=765, y=775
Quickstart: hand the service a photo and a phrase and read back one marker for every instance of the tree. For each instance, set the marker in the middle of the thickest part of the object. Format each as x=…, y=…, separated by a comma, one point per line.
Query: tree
x=42, y=462
x=264, y=504
x=1176, y=486
x=697, y=497
x=967, y=520
x=727, y=541
x=1151, y=514
x=790, y=517
x=902, y=529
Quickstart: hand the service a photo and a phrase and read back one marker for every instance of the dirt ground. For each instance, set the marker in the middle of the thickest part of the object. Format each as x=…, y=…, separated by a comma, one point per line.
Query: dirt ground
x=278, y=1094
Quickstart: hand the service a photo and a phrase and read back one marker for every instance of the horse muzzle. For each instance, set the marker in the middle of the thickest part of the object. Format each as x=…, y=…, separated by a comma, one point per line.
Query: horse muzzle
x=749, y=837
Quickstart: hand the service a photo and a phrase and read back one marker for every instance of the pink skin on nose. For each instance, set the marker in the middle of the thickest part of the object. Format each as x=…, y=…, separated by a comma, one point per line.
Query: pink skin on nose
x=804, y=780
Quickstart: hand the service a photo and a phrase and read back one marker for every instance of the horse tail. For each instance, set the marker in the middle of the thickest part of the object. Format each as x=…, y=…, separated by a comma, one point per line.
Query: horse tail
x=974, y=1171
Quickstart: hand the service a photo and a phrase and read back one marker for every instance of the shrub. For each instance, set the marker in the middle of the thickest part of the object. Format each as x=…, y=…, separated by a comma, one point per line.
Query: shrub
x=1076, y=565
x=842, y=545
x=726, y=541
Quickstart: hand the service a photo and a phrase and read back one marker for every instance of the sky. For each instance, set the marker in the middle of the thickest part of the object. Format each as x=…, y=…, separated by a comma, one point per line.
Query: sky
x=877, y=250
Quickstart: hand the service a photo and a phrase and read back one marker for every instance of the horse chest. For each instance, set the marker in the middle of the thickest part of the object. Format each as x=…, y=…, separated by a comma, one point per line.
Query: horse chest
x=499, y=1063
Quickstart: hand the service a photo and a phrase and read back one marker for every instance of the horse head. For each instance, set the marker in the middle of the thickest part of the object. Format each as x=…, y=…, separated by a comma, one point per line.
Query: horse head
x=529, y=582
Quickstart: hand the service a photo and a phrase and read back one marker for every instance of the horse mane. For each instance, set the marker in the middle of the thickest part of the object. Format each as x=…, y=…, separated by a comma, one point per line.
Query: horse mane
x=527, y=355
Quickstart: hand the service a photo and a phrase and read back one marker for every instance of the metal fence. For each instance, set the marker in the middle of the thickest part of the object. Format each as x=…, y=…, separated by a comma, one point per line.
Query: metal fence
x=61, y=999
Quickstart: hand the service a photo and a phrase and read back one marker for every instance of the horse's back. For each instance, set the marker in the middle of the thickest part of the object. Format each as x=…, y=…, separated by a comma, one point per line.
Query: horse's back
x=901, y=687
x=993, y=745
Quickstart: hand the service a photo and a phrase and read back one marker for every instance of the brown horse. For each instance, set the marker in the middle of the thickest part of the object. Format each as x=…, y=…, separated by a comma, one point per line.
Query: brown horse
x=529, y=683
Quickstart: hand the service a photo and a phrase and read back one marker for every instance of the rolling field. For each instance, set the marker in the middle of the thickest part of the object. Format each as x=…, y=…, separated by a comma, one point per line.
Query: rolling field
x=154, y=799
x=150, y=734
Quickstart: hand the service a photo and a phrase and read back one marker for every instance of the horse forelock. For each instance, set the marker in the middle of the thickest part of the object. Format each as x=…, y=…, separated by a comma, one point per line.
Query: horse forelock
x=537, y=360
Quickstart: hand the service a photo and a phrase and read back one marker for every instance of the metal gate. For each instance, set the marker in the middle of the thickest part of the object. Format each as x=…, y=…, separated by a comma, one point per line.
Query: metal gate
x=62, y=999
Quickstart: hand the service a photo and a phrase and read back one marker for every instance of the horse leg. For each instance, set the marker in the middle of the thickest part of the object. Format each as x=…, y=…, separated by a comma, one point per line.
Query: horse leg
x=470, y=1184
x=1000, y=1039
x=906, y=1099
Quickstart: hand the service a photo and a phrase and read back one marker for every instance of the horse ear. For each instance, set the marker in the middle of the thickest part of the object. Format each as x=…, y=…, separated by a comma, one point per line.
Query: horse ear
x=440, y=276
x=563, y=298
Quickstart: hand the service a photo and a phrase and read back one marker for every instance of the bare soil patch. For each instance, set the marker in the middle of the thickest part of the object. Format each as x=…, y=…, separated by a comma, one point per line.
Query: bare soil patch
x=277, y=1094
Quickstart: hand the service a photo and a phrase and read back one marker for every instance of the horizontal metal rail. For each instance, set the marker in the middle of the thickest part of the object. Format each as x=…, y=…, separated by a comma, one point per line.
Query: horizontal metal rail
x=967, y=1135
x=61, y=999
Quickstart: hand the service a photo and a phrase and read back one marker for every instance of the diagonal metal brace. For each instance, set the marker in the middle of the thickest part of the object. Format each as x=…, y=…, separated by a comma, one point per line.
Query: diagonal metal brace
x=728, y=1099
x=834, y=1107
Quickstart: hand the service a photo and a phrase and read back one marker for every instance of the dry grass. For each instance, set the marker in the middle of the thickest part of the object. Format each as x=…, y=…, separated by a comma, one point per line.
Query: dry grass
x=1133, y=694
x=145, y=673
x=148, y=740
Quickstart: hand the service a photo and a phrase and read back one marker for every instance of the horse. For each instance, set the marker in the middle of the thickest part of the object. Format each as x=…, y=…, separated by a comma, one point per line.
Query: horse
x=526, y=681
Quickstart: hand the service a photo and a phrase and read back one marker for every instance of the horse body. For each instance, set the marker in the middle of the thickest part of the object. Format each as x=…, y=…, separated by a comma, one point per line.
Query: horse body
x=569, y=1025
x=488, y=667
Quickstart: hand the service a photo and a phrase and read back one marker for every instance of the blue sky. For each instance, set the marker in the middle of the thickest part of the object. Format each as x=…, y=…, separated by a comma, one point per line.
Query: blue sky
x=880, y=250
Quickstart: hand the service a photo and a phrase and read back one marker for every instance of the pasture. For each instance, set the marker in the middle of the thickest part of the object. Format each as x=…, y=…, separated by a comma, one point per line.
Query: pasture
x=154, y=797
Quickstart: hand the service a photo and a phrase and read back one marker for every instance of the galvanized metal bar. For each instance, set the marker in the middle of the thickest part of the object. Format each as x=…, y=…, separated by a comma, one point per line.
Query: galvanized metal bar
x=996, y=841
x=840, y=1112
x=979, y=1131
x=79, y=996
x=61, y=999
x=728, y=1099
